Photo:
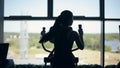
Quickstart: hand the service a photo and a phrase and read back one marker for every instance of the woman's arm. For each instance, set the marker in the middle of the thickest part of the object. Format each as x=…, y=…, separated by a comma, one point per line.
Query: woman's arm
x=48, y=36
x=79, y=40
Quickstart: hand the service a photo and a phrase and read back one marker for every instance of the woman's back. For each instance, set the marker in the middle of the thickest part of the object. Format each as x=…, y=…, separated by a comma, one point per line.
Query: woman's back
x=63, y=57
x=63, y=43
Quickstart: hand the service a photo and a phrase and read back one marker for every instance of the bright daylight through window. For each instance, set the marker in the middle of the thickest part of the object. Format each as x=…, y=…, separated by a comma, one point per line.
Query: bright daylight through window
x=24, y=35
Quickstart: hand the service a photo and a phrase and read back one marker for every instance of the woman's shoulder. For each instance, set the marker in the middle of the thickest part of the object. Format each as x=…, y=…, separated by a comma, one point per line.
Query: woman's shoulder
x=74, y=33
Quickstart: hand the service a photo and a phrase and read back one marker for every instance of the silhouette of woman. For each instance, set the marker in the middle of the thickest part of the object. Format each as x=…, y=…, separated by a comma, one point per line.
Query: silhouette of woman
x=63, y=37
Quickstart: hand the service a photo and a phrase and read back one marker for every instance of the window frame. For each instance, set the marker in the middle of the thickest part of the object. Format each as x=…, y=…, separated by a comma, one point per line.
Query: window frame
x=50, y=17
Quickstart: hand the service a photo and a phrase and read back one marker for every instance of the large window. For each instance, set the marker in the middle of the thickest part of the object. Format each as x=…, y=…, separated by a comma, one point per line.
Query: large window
x=20, y=29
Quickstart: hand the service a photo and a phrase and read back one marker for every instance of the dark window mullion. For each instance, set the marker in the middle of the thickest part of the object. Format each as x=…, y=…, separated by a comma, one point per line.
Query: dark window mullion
x=1, y=21
x=50, y=8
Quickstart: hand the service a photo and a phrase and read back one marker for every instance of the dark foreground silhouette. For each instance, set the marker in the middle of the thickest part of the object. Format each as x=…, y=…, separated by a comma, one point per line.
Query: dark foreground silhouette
x=5, y=63
x=63, y=37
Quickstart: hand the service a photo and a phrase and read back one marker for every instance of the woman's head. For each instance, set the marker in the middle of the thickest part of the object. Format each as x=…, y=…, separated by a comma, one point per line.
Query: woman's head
x=65, y=18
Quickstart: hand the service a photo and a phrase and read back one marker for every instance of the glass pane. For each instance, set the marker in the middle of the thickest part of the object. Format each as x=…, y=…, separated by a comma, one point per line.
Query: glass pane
x=23, y=37
x=112, y=44
x=91, y=53
x=78, y=7
x=112, y=9
x=26, y=7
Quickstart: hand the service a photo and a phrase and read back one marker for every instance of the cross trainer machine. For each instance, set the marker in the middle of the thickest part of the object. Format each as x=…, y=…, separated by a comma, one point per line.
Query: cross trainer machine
x=51, y=55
